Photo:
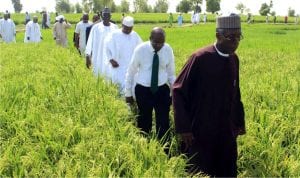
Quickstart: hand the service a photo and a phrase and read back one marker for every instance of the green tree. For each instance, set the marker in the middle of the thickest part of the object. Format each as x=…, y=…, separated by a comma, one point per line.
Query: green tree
x=87, y=5
x=113, y=7
x=98, y=6
x=196, y=5
x=291, y=12
x=240, y=7
x=17, y=5
x=63, y=6
x=184, y=6
x=124, y=6
x=161, y=6
x=212, y=5
x=141, y=6
x=264, y=9
x=78, y=8
x=273, y=13
x=72, y=8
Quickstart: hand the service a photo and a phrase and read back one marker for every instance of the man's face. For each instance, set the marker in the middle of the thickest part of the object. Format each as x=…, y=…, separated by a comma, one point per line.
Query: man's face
x=85, y=18
x=61, y=20
x=157, y=41
x=126, y=30
x=229, y=40
x=95, y=18
x=106, y=17
x=35, y=20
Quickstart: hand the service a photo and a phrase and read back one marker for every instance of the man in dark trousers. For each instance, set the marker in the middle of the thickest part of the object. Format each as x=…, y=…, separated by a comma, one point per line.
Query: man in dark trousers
x=208, y=111
x=152, y=66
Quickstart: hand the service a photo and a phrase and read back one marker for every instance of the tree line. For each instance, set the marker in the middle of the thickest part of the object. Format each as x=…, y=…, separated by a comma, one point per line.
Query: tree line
x=142, y=6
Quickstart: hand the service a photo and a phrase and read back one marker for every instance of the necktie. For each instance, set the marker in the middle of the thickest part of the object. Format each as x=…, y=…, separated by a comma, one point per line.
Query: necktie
x=154, y=75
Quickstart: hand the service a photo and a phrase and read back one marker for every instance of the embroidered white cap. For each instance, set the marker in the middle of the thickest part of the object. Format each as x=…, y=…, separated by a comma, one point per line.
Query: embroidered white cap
x=128, y=21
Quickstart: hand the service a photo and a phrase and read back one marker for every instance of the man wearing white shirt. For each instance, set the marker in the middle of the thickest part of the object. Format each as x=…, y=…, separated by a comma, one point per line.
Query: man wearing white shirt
x=153, y=67
x=119, y=49
x=80, y=33
x=95, y=53
x=7, y=29
x=33, y=32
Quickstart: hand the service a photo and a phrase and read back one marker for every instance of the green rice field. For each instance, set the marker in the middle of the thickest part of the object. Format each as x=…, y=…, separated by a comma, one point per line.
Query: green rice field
x=58, y=120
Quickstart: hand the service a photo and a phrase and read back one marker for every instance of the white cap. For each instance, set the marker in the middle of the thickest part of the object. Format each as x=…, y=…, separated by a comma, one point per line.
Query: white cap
x=59, y=17
x=128, y=21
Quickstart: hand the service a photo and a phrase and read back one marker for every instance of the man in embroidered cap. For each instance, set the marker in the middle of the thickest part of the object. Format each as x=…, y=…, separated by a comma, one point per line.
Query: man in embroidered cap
x=60, y=31
x=95, y=53
x=119, y=48
x=208, y=111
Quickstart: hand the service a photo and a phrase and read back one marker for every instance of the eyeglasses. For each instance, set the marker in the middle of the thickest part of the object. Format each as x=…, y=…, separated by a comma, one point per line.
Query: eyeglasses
x=233, y=37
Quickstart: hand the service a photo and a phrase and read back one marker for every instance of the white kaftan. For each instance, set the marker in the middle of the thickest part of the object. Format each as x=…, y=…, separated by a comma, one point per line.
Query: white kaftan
x=7, y=30
x=33, y=32
x=120, y=46
x=95, y=47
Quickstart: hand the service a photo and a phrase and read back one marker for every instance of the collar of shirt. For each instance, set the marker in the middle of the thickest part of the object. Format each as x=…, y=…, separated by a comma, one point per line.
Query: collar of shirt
x=153, y=50
x=219, y=52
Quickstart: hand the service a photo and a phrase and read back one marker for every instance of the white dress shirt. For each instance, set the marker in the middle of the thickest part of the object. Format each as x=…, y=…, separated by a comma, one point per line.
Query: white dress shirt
x=140, y=67
x=81, y=30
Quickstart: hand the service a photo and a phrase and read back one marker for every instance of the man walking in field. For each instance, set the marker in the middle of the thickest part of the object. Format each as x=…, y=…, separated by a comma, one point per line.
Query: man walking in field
x=208, y=111
x=96, y=19
x=7, y=29
x=153, y=65
x=33, y=32
x=80, y=33
x=119, y=48
x=95, y=53
x=60, y=31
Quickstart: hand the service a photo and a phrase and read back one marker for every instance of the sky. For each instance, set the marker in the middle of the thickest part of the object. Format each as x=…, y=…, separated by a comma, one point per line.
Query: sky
x=227, y=6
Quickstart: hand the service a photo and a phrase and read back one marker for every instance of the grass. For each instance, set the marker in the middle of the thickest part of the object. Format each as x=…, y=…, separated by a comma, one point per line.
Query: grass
x=56, y=119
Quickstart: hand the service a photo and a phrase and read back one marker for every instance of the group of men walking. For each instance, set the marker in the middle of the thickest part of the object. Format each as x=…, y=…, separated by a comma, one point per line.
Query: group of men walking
x=208, y=111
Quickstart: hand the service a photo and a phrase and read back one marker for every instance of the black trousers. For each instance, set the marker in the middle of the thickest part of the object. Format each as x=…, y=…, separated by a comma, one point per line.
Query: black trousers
x=160, y=102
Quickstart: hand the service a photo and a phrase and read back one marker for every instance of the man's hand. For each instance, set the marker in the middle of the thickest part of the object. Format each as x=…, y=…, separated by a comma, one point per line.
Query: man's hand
x=28, y=38
x=88, y=61
x=54, y=38
x=41, y=38
x=114, y=63
x=187, y=139
x=129, y=100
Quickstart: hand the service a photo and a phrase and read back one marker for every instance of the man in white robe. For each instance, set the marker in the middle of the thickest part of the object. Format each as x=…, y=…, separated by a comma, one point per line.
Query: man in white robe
x=60, y=31
x=80, y=33
x=7, y=29
x=119, y=49
x=33, y=32
x=95, y=44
